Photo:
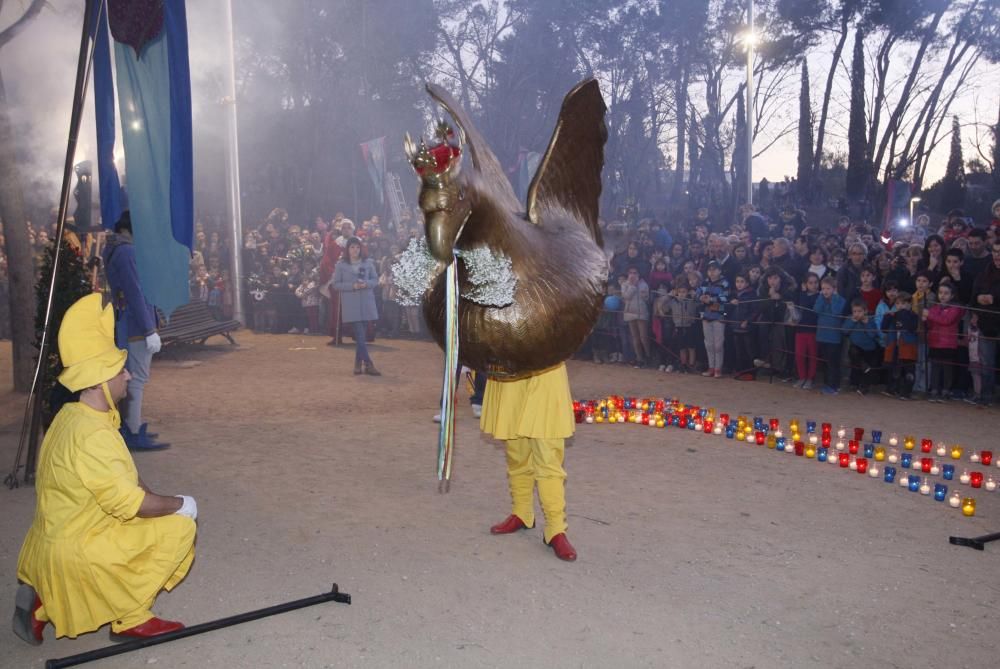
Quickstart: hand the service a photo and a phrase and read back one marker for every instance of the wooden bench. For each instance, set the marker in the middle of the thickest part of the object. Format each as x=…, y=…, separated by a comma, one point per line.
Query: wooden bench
x=194, y=323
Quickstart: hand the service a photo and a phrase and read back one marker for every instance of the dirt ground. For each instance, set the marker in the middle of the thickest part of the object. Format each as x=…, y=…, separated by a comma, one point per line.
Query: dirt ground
x=694, y=551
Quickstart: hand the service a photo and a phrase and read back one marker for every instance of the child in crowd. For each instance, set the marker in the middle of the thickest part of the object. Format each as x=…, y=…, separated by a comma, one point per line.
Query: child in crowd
x=942, y=341
x=890, y=291
x=741, y=313
x=869, y=292
x=635, y=296
x=829, y=308
x=713, y=296
x=899, y=327
x=308, y=293
x=923, y=298
x=684, y=311
x=805, y=332
x=976, y=368
x=863, y=351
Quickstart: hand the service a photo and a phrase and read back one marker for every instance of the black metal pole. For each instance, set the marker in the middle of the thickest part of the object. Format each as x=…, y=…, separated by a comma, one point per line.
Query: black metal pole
x=32, y=408
x=108, y=651
x=979, y=543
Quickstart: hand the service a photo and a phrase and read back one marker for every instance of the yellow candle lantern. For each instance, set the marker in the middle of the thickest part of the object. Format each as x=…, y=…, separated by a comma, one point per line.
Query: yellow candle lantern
x=810, y=451
x=879, y=453
x=599, y=418
x=956, y=452
x=968, y=506
x=772, y=441
x=909, y=442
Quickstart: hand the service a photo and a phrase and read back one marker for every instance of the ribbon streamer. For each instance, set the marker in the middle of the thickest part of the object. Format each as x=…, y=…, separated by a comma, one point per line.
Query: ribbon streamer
x=446, y=438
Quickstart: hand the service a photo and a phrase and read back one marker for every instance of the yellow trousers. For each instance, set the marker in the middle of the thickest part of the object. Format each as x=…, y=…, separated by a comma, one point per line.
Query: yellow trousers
x=532, y=462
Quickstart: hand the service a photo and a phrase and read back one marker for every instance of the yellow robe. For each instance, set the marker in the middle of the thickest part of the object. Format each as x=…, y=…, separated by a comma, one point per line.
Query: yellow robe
x=534, y=416
x=538, y=407
x=89, y=557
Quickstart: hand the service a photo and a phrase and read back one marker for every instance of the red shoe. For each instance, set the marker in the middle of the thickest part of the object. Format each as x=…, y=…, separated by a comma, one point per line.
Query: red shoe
x=152, y=627
x=509, y=526
x=26, y=626
x=563, y=548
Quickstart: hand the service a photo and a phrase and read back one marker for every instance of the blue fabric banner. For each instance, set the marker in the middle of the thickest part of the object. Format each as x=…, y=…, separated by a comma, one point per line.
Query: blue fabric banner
x=154, y=106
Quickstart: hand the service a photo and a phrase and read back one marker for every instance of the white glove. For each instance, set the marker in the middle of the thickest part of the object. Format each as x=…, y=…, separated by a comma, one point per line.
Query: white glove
x=153, y=343
x=189, y=508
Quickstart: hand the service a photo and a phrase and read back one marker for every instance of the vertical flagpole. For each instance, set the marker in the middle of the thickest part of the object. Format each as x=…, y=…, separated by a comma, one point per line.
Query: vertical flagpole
x=31, y=424
x=751, y=39
x=233, y=171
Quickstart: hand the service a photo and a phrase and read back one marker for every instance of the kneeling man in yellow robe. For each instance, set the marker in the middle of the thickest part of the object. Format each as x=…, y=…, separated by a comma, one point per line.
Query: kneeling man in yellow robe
x=102, y=545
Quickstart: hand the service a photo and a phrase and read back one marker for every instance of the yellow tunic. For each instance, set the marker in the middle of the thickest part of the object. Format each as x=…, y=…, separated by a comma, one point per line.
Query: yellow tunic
x=89, y=557
x=539, y=407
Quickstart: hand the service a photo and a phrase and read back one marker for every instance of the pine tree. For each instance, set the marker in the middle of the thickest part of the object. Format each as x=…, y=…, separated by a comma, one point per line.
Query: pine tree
x=953, y=183
x=805, y=139
x=72, y=283
x=857, y=142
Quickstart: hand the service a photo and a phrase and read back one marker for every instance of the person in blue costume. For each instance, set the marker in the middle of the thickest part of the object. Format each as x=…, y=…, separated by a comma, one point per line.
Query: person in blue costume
x=136, y=326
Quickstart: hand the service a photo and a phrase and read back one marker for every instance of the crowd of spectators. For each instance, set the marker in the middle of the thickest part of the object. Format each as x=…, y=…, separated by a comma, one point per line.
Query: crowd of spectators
x=913, y=312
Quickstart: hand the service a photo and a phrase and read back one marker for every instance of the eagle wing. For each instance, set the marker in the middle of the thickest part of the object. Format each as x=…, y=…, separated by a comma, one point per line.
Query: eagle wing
x=569, y=175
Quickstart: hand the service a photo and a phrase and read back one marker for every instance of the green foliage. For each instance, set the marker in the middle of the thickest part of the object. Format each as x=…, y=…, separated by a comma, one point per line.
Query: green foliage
x=857, y=132
x=804, y=175
x=953, y=184
x=72, y=283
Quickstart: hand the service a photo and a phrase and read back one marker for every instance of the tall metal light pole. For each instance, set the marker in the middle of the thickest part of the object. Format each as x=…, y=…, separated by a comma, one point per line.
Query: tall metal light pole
x=233, y=170
x=751, y=39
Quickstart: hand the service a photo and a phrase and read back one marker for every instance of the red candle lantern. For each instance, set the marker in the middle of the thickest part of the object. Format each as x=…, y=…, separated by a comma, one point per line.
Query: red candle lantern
x=826, y=429
x=986, y=457
x=859, y=433
x=826, y=440
x=708, y=426
x=645, y=419
x=774, y=423
x=926, y=445
x=577, y=415
x=845, y=459
x=760, y=437
x=724, y=417
x=926, y=464
x=800, y=448
x=976, y=479
x=862, y=464
x=683, y=422
x=853, y=446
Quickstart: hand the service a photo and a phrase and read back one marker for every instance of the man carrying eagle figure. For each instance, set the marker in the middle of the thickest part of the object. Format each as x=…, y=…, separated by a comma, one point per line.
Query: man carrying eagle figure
x=530, y=278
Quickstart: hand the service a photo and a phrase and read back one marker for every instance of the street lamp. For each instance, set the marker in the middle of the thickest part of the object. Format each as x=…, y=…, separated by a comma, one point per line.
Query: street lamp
x=912, y=200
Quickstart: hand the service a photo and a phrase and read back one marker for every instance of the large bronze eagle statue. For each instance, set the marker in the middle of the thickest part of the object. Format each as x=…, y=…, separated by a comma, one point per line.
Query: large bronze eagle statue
x=552, y=241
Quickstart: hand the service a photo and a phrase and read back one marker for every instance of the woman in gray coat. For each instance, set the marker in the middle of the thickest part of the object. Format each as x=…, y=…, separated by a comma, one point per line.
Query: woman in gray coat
x=356, y=278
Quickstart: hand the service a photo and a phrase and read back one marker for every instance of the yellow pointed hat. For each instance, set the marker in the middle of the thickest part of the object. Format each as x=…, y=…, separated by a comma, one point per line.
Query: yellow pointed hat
x=87, y=344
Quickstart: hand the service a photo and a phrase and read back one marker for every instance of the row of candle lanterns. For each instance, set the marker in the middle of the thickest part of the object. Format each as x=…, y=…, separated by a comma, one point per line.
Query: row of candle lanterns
x=864, y=458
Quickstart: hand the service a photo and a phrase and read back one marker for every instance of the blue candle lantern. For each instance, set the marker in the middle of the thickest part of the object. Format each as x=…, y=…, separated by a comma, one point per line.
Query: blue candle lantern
x=730, y=431
x=890, y=475
x=914, y=483
x=628, y=404
x=779, y=444
x=948, y=472
x=869, y=450
x=810, y=427
x=821, y=454
x=940, y=492
x=906, y=460
x=877, y=436
x=675, y=420
x=703, y=413
x=690, y=424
